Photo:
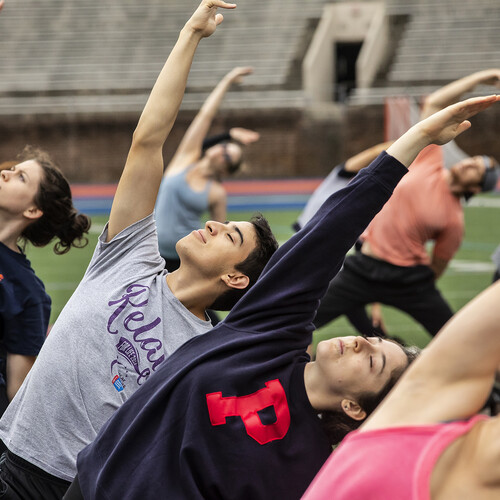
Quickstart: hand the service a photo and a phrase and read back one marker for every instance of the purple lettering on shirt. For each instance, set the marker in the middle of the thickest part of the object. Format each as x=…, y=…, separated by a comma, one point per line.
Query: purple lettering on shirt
x=128, y=315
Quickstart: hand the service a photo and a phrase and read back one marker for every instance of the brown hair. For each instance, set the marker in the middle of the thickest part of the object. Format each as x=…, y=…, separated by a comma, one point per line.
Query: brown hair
x=60, y=219
x=337, y=424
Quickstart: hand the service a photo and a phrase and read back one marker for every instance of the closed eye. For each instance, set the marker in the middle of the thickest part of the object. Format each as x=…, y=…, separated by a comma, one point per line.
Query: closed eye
x=230, y=237
x=371, y=362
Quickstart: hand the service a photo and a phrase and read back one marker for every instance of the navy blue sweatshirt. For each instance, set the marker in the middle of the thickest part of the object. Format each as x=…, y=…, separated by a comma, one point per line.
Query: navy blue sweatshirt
x=228, y=415
x=24, y=308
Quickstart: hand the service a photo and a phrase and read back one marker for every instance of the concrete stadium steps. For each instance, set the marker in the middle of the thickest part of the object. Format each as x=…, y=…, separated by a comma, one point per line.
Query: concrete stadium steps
x=134, y=103
x=55, y=46
x=445, y=40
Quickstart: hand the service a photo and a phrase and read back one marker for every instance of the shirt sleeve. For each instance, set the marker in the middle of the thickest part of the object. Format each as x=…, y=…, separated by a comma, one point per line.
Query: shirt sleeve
x=26, y=332
x=287, y=294
x=132, y=251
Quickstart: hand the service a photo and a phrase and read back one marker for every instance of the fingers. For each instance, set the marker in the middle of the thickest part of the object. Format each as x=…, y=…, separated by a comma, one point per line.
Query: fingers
x=246, y=70
x=466, y=124
x=1, y=4
x=218, y=19
x=221, y=4
x=476, y=104
x=471, y=107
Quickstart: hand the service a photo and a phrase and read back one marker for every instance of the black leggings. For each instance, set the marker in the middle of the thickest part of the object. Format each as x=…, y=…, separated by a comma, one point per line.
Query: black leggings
x=74, y=492
x=364, y=280
x=21, y=480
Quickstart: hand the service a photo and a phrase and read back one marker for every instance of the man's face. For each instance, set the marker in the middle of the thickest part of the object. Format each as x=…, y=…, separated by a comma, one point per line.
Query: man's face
x=218, y=247
x=467, y=175
x=356, y=365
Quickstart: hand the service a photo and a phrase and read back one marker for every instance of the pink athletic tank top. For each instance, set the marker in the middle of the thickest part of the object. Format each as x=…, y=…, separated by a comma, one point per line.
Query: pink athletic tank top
x=386, y=464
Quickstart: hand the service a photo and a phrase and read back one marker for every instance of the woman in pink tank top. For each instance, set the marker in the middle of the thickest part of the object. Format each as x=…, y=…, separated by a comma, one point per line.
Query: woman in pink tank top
x=426, y=441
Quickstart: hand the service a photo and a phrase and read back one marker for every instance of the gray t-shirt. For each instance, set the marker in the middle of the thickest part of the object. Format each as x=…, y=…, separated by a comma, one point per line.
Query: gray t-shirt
x=117, y=328
x=331, y=184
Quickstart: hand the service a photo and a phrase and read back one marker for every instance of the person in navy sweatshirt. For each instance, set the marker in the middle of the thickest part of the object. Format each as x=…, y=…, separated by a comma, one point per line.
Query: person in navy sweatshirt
x=238, y=412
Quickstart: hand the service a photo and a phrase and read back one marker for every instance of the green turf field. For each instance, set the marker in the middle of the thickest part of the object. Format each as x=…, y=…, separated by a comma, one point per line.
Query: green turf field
x=469, y=273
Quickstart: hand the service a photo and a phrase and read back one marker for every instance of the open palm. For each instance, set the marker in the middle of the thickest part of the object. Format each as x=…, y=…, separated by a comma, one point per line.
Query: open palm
x=450, y=122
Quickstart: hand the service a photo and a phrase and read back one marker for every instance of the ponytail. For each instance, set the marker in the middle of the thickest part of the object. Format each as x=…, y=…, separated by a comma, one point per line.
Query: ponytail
x=60, y=219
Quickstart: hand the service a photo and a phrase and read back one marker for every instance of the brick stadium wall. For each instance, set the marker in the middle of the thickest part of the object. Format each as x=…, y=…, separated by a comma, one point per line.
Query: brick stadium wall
x=293, y=143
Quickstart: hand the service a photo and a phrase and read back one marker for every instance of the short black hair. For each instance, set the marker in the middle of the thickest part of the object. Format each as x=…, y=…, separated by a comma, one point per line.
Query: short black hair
x=253, y=265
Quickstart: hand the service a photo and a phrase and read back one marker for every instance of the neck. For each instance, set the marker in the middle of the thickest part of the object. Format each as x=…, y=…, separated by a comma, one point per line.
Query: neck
x=318, y=392
x=10, y=232
x=194, y=293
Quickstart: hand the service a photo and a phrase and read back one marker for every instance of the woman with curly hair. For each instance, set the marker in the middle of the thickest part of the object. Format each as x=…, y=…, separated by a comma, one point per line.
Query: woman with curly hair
x=35, y=207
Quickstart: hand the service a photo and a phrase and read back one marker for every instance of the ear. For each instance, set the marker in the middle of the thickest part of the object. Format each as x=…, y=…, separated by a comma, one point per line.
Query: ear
x=236, y=280
x=33, y=213
x=353, y=410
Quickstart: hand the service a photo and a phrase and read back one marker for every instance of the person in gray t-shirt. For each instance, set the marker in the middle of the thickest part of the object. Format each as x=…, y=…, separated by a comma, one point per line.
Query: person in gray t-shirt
x=128, y=314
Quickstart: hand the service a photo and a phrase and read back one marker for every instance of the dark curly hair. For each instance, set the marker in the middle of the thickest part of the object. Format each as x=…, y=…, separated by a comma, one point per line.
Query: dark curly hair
x=252, y=266
x=60, y=219
x=337, y=424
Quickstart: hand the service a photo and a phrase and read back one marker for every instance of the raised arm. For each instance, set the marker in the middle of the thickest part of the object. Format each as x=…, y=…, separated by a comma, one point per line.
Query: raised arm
x=138, y=187
x=453, y=92
x=298, y=274
x=363, y=159
x=190, y=147
x=454, y=375
x=439, y=128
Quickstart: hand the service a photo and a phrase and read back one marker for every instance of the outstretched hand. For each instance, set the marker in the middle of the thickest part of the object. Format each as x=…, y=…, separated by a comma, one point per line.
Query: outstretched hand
x=445, y=125
x=439, y=128
x=236, y=74
x=244, y=135
x=489, y=77
x=205, y=19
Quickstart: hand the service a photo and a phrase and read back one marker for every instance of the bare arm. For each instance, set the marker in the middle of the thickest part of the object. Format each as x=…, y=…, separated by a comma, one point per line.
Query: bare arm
x=18, y=367
x=439, y=128
x=453, y=92
x=438, y=266
x=217, y=202
x=453, y=376
x=244, y=135
x=190, y=147
x=138, y=187
x=363, y=159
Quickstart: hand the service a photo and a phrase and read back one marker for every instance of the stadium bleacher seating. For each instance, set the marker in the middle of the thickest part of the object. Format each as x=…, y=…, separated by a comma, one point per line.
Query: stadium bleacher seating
x=95, y=56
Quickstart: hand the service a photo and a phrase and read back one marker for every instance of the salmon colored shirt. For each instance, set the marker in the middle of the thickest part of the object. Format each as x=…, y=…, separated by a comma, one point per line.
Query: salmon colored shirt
x=422, y=208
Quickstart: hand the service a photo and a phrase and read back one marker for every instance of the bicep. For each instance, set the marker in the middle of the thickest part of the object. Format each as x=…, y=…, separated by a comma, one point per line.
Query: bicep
x=18, y=366
x=137, y=190
x=218, y=203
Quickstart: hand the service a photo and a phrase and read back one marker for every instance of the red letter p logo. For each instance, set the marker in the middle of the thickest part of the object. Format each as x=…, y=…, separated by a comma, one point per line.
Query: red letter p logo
x=247, y=407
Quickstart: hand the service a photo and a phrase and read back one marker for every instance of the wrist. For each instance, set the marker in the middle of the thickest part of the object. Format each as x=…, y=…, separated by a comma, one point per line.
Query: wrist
x=191, y=33
x=421, y=138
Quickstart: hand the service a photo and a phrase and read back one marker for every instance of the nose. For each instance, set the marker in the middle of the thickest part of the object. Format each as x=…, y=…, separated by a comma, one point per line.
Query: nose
x=213, y=227
x=360, y=344
x=5, y=174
